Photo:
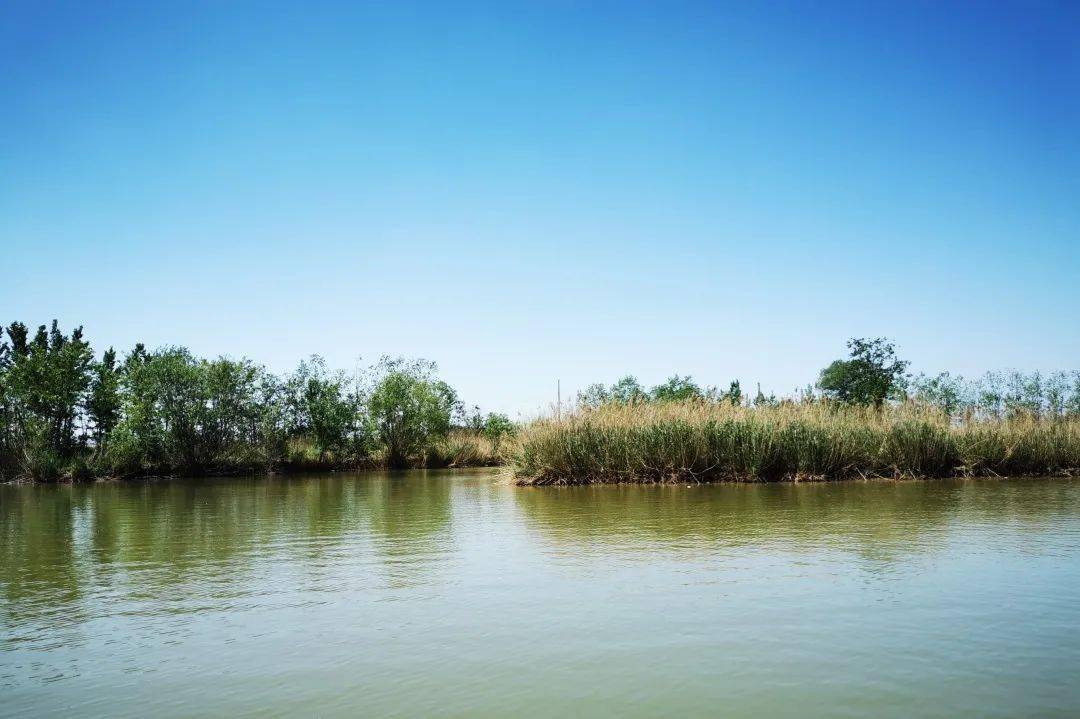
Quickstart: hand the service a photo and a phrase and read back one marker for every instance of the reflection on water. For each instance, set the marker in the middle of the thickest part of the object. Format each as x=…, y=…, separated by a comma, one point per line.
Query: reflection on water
x=881, y=521
x=455, y=593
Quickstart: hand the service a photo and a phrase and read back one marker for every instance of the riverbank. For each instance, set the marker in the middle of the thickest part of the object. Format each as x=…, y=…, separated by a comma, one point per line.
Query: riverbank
x=709, y=441
x=459, y=449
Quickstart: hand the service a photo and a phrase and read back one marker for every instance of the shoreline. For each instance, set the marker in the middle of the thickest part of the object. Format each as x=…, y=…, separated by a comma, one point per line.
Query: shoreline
x=696, y=442
x=512, y=478
x=880, y=478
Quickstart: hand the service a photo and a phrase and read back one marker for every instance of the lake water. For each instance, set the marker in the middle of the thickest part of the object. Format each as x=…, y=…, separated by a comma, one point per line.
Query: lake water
x=456, y=594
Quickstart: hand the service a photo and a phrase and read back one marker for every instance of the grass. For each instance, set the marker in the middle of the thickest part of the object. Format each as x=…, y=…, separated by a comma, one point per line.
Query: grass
x=701, y=441
x=460, y=448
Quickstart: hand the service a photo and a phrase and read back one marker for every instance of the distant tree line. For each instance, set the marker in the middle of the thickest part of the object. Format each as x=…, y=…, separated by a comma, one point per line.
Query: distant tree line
x=66, y=413
x=676, y=389
x=872, y=375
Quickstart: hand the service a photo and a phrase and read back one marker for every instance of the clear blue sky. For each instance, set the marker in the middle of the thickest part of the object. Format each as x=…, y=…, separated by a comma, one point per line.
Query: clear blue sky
x=525, y=192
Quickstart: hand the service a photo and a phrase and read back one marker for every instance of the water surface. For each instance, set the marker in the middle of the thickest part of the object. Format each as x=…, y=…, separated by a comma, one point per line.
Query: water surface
x=456, y=594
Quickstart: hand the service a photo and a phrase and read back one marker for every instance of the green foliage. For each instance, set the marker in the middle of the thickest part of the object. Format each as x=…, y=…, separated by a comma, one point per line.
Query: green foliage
x=184, y=414
x=64, y=415
x=872, y=374
x=496, y=427
x=474, y=421
x=734, y=394
x=676, y=389
x=628, y=391
x=943, y=391
x=493, y=427
x=763, y=400
x=8, y=465
x=409, y=407
x=593, y=396
x=44, y=386
x=1055, y=395
x=104, y=404
x=318, y=404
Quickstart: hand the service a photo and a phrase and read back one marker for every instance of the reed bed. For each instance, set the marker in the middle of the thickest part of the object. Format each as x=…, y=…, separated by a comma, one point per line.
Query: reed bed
x=463, y=448
x=708, y=441
x=459, y=448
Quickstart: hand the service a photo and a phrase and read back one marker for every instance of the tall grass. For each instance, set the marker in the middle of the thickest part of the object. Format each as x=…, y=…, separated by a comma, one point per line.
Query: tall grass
x=705, y=441
x=465, y=448
x=459, y=448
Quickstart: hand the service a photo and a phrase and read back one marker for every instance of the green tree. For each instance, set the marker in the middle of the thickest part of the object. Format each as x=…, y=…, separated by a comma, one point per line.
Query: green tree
x=229, y=423
x=870, y=375
x=1072, y=402
x=409, y=408
x=497, y=426
x=165, y=402
x=763, y=400
x=627, y=390
x=942, y=390
x=734, y=394
x=474, y=421
x=676, y=389
x=103, y=405
x=188, y=414
x=593, y=396
x=46, y=380
x=318, y=405
x=8, y=461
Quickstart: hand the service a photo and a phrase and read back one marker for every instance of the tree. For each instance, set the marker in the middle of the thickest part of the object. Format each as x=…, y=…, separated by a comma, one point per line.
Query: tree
x=7, y=448
x=497, y=426
x=409, y=407
x=44, y=388
x=165, y=405
x=676, y=389
x=318, y=405
x=594, y=396
x=943, y=391
x=179, y=412
x=872, y=374
x=230, y=420
x=761, y=400
x=474, y=421
x=103, y=404
x=734, y=394
x=627, y=391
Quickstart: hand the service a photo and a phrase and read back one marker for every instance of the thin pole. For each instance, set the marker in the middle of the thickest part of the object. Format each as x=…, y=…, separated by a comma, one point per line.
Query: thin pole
x=558, y=397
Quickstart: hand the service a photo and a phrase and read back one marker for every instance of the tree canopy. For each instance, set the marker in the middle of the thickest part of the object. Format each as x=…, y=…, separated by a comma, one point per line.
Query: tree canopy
x=871, y=374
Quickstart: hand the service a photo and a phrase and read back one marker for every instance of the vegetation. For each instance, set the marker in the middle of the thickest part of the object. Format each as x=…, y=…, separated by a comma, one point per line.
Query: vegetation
x=676, y=389
x=1001, y=394
x=695, y=441
x=408, y=408
x=870, y=375
x=868, y=418
x=65, y=415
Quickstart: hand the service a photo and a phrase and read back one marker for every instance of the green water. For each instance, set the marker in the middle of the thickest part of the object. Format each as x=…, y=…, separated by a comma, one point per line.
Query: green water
x=454, y=594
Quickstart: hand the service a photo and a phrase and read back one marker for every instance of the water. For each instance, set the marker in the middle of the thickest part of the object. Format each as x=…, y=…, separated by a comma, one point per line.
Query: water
x=455, y=594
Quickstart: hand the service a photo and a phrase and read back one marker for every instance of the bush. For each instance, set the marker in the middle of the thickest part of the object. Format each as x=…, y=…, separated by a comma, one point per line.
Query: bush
x=409, y=409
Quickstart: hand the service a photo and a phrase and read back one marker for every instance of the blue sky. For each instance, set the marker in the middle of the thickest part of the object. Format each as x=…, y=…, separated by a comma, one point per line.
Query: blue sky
x=532, y=192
